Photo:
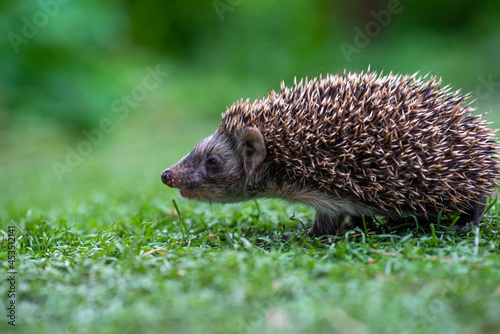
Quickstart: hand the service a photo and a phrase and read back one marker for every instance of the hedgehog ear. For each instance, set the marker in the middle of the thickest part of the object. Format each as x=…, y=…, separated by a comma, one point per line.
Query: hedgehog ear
x=253, y=149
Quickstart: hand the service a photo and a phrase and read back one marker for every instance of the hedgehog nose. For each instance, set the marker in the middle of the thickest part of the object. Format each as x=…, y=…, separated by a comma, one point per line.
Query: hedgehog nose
x=165, y=176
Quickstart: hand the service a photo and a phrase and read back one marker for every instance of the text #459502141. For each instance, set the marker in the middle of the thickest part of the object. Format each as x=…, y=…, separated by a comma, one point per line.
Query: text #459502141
x=11, y=275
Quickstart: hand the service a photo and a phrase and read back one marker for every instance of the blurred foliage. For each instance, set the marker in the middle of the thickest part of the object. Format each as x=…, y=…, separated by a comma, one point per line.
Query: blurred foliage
x=58, y=58
x=68, y=61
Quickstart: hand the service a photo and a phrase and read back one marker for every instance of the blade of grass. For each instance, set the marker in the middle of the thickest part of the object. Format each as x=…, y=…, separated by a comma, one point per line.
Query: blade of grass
x=452, y=224
x=181, y=220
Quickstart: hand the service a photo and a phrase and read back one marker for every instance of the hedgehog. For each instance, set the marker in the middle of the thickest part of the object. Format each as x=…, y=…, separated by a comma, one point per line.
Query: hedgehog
x=354, y=146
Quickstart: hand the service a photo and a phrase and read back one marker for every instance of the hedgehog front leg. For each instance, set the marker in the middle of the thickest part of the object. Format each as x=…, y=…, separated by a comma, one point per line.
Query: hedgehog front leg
x=473, y=215
x=325, y=223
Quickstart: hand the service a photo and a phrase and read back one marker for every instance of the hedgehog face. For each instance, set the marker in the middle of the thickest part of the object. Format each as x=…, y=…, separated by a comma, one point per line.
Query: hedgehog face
x=219, y=168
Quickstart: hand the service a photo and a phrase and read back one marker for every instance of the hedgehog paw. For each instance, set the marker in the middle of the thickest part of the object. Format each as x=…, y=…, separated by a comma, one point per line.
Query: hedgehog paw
x=473, y=215
x=325, y=224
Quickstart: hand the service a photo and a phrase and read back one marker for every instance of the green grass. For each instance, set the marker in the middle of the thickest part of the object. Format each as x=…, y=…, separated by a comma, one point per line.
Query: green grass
x=106, y=251
x=231, y=270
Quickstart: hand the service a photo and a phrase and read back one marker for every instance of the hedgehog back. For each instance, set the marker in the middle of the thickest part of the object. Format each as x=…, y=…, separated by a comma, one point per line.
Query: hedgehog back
x=394, y=141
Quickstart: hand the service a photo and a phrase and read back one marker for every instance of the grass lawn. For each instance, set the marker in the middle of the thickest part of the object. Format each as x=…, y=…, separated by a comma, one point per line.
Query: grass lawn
x=104, y=250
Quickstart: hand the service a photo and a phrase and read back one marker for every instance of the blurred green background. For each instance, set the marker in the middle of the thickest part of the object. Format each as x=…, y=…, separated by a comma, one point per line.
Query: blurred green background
x=112, y=92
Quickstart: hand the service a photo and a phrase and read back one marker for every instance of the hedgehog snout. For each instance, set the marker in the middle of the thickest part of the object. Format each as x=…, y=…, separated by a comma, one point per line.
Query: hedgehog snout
x=171, y=178
x=166, y=177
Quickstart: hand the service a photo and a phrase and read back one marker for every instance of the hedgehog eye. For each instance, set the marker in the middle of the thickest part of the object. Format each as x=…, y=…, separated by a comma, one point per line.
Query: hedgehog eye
x=211, y=162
